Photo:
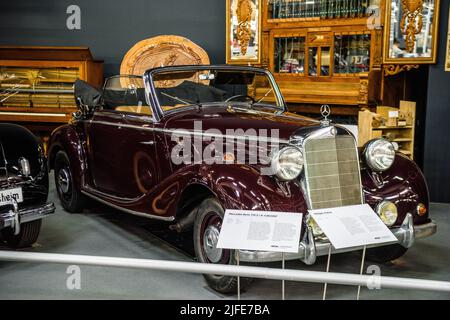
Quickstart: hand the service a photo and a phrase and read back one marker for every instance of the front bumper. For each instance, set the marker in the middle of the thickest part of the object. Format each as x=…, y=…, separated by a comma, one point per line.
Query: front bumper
x=309, y=249
x=16, y=216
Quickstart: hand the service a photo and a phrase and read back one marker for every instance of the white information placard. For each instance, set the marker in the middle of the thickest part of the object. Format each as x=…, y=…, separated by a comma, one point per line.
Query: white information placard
x=352, y=226
x=260, y=230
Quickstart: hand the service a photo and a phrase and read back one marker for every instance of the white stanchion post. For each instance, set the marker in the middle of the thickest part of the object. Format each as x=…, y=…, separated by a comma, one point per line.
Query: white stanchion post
x=238, y=277
x=324, y=297
x=282, y=281
x=361, y=270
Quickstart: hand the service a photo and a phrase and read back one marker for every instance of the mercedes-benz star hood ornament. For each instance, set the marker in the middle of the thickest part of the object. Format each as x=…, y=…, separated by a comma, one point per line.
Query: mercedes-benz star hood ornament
x=325, y=111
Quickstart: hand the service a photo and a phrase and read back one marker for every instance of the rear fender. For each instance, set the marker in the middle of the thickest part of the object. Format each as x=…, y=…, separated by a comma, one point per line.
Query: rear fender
x=67, y=139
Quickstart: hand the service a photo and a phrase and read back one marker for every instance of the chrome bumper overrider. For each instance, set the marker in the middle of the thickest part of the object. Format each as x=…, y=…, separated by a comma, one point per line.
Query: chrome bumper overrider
x=309, y=249
x=16, y=216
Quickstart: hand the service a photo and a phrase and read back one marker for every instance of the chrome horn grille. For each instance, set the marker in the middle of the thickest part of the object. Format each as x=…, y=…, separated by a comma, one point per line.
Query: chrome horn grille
x=332, y=172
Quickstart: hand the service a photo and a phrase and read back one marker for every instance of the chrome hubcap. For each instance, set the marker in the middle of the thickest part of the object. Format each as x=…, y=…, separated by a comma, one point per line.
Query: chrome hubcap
x=210, y=239
x=64, y=180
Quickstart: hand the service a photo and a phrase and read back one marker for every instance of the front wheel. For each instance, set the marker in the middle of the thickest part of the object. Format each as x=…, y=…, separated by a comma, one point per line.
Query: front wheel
x=71, y=198
x=29, y=232
x=206, y=235
x=386, y=253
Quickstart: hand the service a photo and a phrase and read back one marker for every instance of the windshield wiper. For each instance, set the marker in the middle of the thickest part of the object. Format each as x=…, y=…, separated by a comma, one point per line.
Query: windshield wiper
x=188, y=102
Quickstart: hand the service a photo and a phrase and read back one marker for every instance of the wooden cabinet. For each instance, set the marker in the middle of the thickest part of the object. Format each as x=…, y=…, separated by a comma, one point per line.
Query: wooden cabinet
x=36, y=84
x=322, y=52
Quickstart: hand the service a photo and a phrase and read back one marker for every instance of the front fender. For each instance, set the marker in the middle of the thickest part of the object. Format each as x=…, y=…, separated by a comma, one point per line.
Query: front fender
x=235, y=186
x=66, y=138
x=243, y=187
x=403, y=183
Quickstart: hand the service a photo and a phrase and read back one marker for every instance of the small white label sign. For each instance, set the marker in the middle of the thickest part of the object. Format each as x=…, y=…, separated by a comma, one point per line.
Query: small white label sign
x=260, y=230
x=7, y=196
x=352, y=226
x=393, y=114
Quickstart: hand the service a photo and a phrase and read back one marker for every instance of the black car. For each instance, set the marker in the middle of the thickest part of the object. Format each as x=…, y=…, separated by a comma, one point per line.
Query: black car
x=23, y=186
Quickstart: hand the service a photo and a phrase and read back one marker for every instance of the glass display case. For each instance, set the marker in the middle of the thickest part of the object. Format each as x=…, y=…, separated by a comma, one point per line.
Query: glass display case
x=322, y=55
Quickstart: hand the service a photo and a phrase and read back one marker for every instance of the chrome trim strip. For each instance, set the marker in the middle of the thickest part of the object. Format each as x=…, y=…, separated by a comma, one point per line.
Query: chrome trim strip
x=92, y=191
x=194, y=133
x=136, y=213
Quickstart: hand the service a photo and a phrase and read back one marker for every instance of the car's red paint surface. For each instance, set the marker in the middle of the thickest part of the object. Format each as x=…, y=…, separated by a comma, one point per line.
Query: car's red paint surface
x=124, y=159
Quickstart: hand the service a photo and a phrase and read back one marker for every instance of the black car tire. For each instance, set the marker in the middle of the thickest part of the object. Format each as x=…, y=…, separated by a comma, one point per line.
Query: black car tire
x=71, y=198
x=29, y=232
x=385, y=253
x=210, y=214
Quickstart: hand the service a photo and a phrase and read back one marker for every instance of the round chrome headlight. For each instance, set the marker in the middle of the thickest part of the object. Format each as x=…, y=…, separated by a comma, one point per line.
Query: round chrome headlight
x=388, y=212
x=379, y=154
x=287, y=163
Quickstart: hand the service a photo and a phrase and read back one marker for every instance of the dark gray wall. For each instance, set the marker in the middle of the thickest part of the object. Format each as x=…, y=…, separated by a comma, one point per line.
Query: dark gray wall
x=437, y=127
x=112, y=27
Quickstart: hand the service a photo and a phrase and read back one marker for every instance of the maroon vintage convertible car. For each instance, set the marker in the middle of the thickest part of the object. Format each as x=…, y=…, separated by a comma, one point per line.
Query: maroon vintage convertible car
x=183, y=144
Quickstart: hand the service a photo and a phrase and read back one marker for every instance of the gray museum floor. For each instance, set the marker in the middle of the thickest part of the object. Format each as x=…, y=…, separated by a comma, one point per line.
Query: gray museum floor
x=106, y=232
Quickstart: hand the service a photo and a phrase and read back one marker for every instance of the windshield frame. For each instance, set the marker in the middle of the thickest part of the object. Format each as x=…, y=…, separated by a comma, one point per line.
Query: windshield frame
x=151, y=90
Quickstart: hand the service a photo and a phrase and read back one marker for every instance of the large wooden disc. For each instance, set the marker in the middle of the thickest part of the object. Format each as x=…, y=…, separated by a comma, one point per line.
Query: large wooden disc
x=165, y=50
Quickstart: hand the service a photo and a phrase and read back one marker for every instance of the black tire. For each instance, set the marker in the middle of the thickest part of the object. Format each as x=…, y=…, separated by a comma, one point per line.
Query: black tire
x=70, y=196
x=29, y=232
x=210, y=214
x=385, y=253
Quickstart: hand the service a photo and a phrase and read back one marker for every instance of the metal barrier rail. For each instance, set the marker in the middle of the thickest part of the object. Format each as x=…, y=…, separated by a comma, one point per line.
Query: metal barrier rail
x=230, y=270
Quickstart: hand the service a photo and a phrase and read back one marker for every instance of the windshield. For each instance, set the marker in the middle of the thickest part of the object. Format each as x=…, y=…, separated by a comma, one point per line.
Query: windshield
x=125, y=93
x=213, y=86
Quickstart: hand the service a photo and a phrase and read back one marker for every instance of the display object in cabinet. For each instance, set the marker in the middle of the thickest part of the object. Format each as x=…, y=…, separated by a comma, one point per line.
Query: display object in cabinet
x=410, y=32
x=36, y=84
x=243, y=34
x=395, y=124
x=351, y=53
x=323, y=9
x=289, y=55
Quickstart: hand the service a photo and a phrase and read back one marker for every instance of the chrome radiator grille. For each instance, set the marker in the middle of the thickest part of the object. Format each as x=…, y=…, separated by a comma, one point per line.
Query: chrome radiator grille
x=332, y=172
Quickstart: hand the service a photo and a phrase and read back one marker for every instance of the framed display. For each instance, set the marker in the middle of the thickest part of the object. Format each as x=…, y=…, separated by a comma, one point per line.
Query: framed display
x=243, y=37
x=447, y=56
x=410, y=33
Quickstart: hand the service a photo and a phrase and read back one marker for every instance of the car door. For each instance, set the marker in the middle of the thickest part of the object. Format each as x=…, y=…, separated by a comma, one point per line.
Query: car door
x=122, y=154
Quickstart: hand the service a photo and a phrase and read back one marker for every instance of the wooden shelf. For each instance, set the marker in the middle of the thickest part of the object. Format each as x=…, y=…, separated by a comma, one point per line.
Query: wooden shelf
x=393, y=128
x=398, y=134
x=402, y=140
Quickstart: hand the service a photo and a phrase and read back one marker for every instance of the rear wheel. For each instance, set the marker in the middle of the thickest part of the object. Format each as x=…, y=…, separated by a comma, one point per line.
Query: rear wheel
x=206, y=234
x=29, y=232
x=71, y=198
x=386, y=253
